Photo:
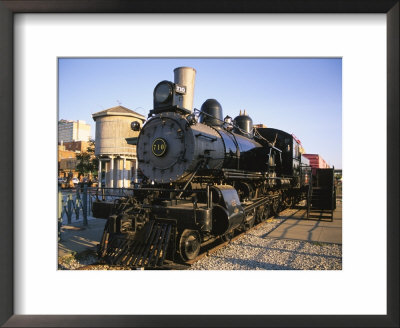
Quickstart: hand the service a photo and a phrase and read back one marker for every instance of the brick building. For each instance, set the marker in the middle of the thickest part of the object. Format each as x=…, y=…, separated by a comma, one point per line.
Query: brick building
x=77, y=146
x=66, y=162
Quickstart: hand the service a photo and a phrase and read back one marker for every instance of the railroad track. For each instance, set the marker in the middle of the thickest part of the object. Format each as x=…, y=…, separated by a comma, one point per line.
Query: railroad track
x=222, y=244
x=240, y=234
x=207, y=250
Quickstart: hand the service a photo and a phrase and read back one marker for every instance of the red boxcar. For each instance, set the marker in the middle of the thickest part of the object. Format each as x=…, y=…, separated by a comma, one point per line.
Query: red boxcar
x=316, y=162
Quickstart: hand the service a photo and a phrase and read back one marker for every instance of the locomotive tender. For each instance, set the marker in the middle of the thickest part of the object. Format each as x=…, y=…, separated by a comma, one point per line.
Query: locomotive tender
x=206, y=177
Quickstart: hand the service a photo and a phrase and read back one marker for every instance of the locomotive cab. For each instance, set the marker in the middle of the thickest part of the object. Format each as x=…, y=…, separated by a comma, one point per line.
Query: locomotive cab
x=290, y=161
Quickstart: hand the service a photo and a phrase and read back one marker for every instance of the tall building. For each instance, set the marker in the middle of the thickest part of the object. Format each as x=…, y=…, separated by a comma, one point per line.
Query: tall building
x=73, y=131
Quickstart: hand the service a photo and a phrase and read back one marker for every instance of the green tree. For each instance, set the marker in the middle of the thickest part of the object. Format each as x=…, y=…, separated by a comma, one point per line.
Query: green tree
x=87, y=161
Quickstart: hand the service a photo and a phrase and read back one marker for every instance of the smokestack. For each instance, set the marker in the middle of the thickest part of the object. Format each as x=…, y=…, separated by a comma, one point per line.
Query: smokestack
x=185, y=76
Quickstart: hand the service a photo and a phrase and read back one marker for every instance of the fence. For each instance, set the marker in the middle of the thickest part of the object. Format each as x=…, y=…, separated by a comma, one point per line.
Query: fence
x=73, y=202
x=76, y=202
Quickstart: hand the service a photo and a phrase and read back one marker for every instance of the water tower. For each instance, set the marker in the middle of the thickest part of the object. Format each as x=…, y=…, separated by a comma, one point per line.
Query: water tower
x=117, y=159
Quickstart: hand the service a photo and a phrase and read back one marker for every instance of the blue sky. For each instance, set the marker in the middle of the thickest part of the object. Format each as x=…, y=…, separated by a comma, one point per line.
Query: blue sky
x=299, y=96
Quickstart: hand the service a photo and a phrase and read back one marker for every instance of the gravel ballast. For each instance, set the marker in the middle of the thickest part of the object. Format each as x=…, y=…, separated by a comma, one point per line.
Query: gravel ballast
x=256, y=251
x=252, y=251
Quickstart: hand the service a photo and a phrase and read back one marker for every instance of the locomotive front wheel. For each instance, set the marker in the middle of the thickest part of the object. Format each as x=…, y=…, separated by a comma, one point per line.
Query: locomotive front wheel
x=189, y=244
x=227, y=236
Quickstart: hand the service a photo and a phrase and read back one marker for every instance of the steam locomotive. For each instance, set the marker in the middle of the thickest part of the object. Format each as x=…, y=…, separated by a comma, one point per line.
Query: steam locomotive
x=207, y=176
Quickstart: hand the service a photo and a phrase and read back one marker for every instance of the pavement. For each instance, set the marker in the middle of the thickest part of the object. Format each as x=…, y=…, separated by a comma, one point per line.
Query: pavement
x=317, y=228
x=77, y=238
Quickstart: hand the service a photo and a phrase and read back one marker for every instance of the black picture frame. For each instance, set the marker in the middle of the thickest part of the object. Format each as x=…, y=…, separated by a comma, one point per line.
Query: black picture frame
x=7, y=10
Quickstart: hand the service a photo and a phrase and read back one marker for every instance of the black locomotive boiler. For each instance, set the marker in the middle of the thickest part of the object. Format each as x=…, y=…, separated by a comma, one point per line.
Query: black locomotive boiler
x=206, y=177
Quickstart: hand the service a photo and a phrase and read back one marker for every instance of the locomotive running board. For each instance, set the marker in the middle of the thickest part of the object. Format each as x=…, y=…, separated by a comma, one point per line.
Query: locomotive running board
x=257, y=203
x=147, y=249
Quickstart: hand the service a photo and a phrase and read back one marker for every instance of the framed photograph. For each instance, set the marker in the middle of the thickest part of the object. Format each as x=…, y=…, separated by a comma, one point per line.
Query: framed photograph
x=246, y=97
x=36, y=34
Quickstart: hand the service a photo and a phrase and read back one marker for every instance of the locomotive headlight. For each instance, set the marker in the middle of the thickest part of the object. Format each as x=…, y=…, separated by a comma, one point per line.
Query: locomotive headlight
x=163, y=92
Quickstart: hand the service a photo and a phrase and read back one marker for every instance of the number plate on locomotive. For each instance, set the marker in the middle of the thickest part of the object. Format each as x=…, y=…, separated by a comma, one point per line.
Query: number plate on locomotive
x=180, y=89
x=159, y=147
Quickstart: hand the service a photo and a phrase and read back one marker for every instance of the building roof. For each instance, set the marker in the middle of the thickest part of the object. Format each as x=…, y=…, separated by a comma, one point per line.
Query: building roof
x=118, y=111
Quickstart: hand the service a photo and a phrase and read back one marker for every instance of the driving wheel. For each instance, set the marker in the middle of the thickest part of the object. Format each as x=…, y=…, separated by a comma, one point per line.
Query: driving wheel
x=250, y=220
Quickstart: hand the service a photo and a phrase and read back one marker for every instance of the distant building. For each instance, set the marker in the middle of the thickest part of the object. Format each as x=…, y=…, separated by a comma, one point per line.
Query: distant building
x=66, y=162
x=338, y=174
x=73, y=131
x=77, y=146
x=118, y=164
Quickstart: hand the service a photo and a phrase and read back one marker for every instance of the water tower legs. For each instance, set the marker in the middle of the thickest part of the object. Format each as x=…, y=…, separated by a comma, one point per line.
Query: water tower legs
x=110, y=182
x=118, y=171
x=99, y=173
x=124, y=184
